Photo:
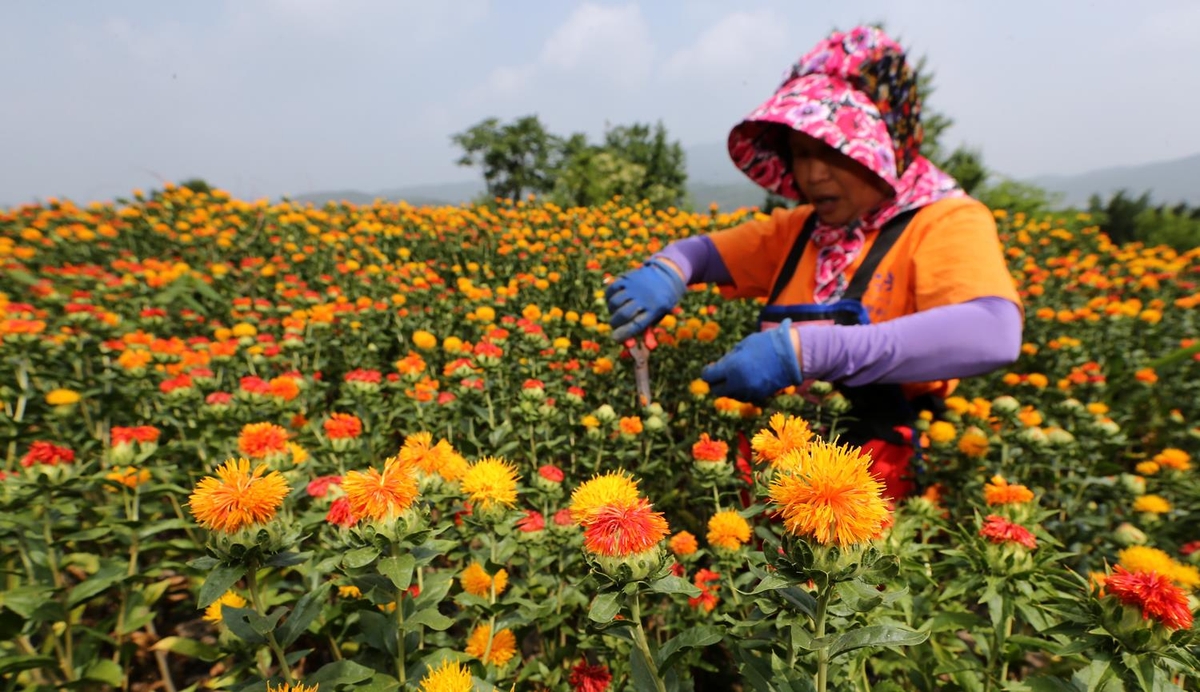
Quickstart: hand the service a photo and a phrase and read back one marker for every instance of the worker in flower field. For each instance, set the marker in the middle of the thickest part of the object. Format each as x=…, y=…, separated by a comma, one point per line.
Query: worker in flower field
x=887, y=280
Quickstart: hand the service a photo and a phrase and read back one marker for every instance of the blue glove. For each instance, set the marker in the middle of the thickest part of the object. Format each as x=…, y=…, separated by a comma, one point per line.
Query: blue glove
x=640, y=298
x=760, y=365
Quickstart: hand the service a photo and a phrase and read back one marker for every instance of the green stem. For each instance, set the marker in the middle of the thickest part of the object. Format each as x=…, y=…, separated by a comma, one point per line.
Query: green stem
x=252, y=582
x=401, y=672
x=67, y=652
x=639, y=640
x=819, y=627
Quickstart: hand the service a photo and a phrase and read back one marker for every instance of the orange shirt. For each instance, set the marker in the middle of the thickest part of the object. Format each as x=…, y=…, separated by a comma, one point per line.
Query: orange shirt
x=950, y=253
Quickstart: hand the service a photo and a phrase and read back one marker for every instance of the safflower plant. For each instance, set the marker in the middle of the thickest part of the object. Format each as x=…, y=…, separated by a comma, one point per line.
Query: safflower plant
x=449, y=481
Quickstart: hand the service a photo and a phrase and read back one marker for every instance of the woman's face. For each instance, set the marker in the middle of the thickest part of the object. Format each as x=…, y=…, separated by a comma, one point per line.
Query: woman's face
x=839, y=188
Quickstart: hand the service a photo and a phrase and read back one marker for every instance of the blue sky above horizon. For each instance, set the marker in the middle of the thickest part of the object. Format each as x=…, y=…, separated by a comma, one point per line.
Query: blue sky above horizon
x=270, y=97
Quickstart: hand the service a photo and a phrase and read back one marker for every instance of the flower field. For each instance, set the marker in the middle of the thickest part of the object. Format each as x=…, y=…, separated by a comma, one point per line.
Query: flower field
x=257, y=446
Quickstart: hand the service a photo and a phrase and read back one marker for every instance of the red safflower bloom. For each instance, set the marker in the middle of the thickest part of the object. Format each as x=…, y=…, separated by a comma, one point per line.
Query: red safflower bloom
x=360, y=375
x=254, y=385
x=532, y=522
x=319, y=487
x=551, y=473
x=1154, y=594
x=997, y=529
x=48, y=453
x=708, y=449
x=340, y=514
x=218, y=398
x=1189, y=548
x=563, y=518
x=142, y=433
x=621, y=531
x=585, y=678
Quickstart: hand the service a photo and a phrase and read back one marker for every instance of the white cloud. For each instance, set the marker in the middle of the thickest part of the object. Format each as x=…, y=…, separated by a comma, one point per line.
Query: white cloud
x=737, y=45
x=612, y=42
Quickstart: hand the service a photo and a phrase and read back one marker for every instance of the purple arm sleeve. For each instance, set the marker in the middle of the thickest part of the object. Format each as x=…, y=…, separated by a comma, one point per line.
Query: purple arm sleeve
x=946, y=342
x=699, y=260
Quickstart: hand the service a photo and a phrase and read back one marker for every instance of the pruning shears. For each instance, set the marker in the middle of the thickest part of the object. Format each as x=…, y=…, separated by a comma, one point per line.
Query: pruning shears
x=640, y=347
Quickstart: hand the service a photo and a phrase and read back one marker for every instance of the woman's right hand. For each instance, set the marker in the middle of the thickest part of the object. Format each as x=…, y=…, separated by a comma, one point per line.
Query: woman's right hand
x=640, y=298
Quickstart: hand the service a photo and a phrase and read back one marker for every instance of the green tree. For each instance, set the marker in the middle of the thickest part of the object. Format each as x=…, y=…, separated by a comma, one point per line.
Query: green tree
x=1119, y=216
x=1017, y=197
x=966, y=165
x=517, y=158
x=1172, y=226
x=635, y=161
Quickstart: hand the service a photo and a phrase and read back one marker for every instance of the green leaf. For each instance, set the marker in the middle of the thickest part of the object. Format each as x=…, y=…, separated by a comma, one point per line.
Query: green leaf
x=699, y=636
x=187, y=647
x=88, y=534
x=25, y=600
x=217, y=583
x=604, y=608
x=771, y=582
x=672, y=584
x=97, y=583
x=428, y=617
x=305, y=611
x=1046, y=683
x=331, y=675
x=399, y=569
x=288, y=558
x=104, y=670
x=15, y=664
x=858, y=596
x=643, y=678
x=875, y=635
x=435, y=588
x=755, y=670
x=244, y=623
x=360, y=557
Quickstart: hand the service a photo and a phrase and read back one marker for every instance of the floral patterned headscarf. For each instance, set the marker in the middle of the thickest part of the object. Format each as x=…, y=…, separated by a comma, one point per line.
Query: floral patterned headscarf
x=856, y=92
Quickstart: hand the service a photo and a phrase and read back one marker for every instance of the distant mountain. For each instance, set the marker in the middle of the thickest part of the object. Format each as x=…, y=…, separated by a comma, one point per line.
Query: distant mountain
x=712, y=177
x=1168, y=182
x=430, y=194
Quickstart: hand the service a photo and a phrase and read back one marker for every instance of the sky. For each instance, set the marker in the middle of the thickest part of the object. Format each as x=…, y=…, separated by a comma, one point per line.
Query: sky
x=272, y=97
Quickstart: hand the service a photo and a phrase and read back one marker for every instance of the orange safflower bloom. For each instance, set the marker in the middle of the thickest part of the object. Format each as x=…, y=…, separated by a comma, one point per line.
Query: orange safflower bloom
x=490, y=482
x=503, y=645
x=261, y=440
x=999, y=492
x=783, y=434
x=832, y=496
x=340, y=426
x=614, y=489
x=683, y=544
x=475, y=580
x=283, y=387
x=237, y=497
x=630, y=425
x=381, y=496
x=1174, y=459
x=450, y=676
x=728, y=530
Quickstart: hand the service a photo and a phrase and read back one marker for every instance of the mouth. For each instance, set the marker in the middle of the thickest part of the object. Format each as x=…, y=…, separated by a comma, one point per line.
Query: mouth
x=824, y=203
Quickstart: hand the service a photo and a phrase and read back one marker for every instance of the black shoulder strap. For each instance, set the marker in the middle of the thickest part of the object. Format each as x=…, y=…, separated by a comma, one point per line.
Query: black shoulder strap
x=888, y=235
x=793, y=258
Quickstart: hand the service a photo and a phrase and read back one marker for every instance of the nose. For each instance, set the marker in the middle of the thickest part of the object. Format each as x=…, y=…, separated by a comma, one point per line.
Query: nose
x=818, y=171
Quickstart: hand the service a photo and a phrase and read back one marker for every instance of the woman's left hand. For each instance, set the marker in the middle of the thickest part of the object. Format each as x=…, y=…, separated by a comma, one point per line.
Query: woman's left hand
x=760, y=365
